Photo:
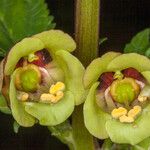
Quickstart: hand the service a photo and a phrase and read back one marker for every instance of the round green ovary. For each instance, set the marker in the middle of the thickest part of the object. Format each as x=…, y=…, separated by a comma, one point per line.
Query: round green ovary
x=124, y=93
x=29, y=80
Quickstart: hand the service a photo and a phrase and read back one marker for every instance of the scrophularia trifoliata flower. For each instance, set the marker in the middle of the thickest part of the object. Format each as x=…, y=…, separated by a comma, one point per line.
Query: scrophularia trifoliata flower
x=42, y=80
x=118, y=102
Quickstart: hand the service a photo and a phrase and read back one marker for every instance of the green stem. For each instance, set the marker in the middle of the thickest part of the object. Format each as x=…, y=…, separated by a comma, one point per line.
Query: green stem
x=83, y=139
x=87, y=39
x=87, y=30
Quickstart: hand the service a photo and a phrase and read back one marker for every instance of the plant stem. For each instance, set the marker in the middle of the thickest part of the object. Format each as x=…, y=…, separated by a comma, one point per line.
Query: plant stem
x=87, y=29
x=87, y=39
x=83, y=139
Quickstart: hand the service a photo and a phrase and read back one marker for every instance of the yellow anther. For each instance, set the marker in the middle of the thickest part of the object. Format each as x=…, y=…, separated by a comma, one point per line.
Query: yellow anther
x=127, y=119
x=59, y=95
x=47, y=97
x=142, y=98
x=116, y=113
x=24, y=96
x=135, y=111
x=59, y=86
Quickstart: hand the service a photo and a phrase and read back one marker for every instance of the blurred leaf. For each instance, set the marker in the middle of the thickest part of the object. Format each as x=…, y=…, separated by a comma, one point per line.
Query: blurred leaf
x=2, y=53
x=22, y=18
x=140, y=43
x=102, y=40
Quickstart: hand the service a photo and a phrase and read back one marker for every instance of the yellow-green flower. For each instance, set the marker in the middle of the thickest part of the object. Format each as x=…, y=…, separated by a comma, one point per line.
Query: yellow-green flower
x=42, y=80
x=117, y=105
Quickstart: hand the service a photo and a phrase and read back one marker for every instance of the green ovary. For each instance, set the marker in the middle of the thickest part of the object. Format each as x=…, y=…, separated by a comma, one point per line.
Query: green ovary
x=124, y=91
x=29, y=80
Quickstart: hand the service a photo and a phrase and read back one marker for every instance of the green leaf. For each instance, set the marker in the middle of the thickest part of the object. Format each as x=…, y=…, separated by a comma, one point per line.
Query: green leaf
x=22, y=18
x=139, y=43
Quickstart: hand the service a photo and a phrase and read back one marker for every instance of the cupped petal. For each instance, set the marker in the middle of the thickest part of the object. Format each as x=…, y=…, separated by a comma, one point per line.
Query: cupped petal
x=146, y=75
x=97, y=67
x=17, y=107
x=94, y=117
x=139, y=62
x=52, y=114
x=21, y=49
x=73, y=71
x=132, y=133
x=55, y=40
x=144, y=145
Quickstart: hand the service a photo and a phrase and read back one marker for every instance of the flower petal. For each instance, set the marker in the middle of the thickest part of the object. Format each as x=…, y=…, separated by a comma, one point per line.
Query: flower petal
x=97, y=67
x=136, y=61
x=73, y=71
x=146, y=75
x=94, y=117
x=56, y=40
x=17, y=108
x=52, y=114
x=21, y=49
x=132, y=133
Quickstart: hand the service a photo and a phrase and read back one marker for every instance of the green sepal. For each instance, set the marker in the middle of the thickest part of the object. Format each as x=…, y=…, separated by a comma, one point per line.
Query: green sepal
x=16, y=127
x=21, y=49
x=18, y=108
x=97, y=67
x=131, y=133
x=94, y=117
x=136, y=61
x=3, y=105
x=73, y=71
x=55, y=40
x=52, y=114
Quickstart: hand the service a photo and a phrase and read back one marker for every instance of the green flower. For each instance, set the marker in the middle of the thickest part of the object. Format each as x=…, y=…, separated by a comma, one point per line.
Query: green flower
x=117, y=107
x=42, y=80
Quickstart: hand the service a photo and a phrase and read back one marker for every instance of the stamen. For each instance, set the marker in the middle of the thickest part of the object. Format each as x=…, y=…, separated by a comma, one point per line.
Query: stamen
x=142, y=98
x=46, y=97
x=126, y=119
x=118, y=112
x=134, y=112
x=59, y=86
x=55, y=93
x=23, y=96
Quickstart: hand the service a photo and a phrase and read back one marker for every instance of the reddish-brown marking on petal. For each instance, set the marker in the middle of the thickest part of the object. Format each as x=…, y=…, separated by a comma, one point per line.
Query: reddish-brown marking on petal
x=44, y=58
x=106, y=79
x=132, y=73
